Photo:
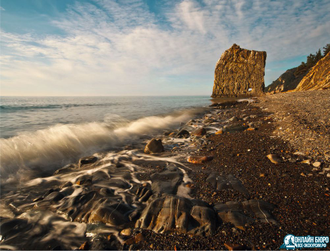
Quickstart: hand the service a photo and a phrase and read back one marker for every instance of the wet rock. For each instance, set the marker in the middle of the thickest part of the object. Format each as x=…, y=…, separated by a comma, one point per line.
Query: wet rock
x=102, y=242
x=234, y=128
x=87, y=160
x=274, y=158
x=199, y=159
x=183, y=134
x=154, y=146
x=171, y=213
x=126, y=232
x=226, y=182
x=199, y=132
x=113, y=215
x=208, y=121
x=234, y=212
x=54, y=196
x=66, y=169
x=166, y=181
x=220, y=131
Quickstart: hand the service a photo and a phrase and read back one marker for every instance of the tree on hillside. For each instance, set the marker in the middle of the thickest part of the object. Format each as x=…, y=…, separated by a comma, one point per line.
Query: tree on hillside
x=318, y=56
x=326, y=49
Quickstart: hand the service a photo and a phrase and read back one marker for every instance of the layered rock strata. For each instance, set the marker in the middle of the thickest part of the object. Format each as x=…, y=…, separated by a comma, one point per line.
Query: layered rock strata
x=239, y=72
x=318, y=77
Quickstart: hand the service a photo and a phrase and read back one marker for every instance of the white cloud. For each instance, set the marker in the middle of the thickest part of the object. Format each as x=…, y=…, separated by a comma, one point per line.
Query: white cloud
x=122, y=48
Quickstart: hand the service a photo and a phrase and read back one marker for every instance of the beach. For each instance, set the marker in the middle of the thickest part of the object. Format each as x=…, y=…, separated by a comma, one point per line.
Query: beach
x=241, y=182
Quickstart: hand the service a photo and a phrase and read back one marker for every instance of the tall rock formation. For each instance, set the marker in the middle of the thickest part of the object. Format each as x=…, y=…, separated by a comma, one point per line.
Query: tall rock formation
x=318, y=77
x=239, y=72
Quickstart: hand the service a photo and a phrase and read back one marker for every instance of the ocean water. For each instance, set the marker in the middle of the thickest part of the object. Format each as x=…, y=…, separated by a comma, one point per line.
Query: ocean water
x=45, y=133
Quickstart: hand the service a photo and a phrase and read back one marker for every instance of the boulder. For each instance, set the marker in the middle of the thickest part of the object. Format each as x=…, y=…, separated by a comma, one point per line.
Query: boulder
x=318, y=77
x=154, y=146
x=239, y=72
x=172, y=213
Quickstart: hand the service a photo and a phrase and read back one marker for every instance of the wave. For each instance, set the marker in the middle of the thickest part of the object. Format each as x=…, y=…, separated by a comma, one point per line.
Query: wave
x=16, y=108
x=49, y=149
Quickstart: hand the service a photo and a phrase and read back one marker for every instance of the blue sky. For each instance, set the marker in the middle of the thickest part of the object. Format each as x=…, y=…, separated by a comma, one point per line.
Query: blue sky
x=150, y=47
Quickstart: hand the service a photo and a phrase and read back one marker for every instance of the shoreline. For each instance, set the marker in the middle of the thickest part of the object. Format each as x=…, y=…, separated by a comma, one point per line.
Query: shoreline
x=270, y=200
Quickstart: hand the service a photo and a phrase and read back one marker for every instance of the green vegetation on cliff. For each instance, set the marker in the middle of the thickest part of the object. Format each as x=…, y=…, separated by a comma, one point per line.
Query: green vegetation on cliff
x=291, y=78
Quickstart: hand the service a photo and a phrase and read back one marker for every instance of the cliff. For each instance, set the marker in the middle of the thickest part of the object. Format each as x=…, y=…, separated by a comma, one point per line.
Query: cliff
x=318, y=77
x=287, y=81
x=239, y=72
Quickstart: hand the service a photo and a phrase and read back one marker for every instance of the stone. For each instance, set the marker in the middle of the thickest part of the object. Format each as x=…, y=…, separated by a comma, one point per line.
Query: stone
x=226, y=182
x=220, y=131
x=154, y=146
x=238, y=213
x=126, y=232
x=274, y=158
x=318, y=77
x=306, y=161
x=87, y=160
x=317, y=164
x=239, y=72
x=172, y=213
x=199, y=159
x=199, y=132
x=183, y=134
x=166, y=181
x=233, y=119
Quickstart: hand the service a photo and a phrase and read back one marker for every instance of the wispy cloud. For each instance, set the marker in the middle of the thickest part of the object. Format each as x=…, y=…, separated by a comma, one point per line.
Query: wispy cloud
x=117, y=48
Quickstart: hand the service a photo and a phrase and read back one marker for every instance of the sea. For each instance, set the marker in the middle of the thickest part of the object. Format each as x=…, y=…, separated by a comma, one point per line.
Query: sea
x=46, y=133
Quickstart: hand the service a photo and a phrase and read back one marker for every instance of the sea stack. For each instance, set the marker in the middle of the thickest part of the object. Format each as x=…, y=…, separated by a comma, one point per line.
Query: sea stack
x=239, y=72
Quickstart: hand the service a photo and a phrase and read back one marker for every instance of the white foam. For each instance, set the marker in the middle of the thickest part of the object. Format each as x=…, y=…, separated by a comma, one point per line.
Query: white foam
x=48, y=149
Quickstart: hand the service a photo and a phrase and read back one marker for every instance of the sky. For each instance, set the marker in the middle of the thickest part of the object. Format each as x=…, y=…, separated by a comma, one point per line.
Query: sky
x=147, y=47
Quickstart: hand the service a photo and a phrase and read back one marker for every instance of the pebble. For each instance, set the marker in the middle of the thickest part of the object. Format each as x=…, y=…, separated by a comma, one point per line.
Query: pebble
x=306, y=161
x=220, y=131
x=274, y=158
x=126, y=232
x=317, y=164
x=199, y=159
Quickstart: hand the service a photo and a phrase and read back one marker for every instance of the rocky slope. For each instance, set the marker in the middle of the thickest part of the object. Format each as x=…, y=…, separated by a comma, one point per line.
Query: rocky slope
x=318, y=77
x=239, y=72
x=287, y=81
